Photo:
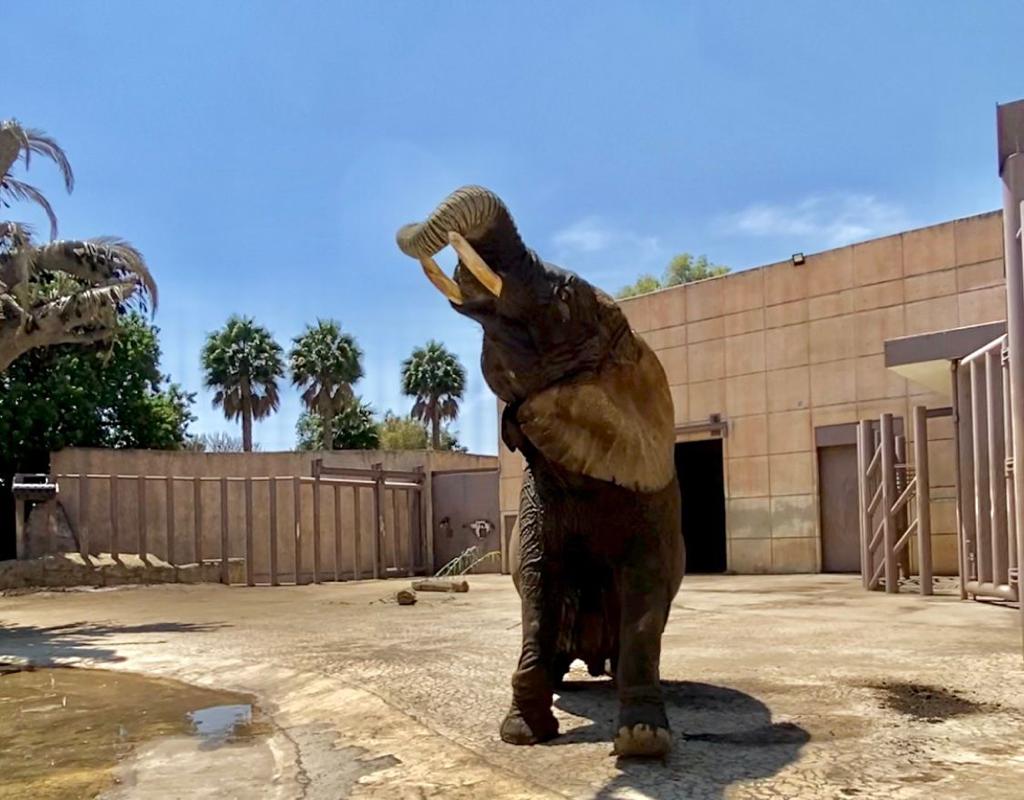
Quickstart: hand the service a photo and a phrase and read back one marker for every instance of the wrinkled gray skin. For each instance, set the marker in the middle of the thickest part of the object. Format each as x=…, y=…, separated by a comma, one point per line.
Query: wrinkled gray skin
x=596, y=565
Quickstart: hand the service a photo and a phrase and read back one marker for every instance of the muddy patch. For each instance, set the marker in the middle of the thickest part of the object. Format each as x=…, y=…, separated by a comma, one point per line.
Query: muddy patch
x=67, y=728
x=928, y=703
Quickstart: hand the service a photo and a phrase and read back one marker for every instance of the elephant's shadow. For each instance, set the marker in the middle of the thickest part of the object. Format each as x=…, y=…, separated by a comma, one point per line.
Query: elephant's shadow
x=721, y=736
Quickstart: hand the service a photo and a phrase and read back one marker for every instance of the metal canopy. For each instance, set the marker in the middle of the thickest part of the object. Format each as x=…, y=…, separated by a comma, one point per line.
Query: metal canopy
x=925, y=358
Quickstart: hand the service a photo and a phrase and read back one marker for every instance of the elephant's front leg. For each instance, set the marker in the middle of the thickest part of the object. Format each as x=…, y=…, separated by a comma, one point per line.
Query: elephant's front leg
x=530, y=719
x=643, y=728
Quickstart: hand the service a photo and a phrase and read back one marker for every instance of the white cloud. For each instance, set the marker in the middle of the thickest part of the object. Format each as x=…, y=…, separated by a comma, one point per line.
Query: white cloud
x=828, y=220
x=592, y=235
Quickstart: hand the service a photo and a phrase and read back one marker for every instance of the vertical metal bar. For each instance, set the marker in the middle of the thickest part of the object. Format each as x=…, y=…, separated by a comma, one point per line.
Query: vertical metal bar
x=378, y=517
x=357, y=546
x=272, y=498
x=924, y=498
x=864, y=498
x=888, y=498
x=996, y=468
x=1011, y=496
x=337, y=532
x=902, y=518
x=115, y=519
x=197, y=519
x=297, y=515
x=965, y=434
x=83, y=514
x=169, y=498
x=140, y=486
x=316, y=521
x=225, y=574
x=958, y=478
x=982, y=517
x=250, y=566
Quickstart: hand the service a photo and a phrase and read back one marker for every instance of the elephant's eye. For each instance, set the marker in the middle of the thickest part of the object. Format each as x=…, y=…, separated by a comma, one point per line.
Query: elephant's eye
x=564, y=294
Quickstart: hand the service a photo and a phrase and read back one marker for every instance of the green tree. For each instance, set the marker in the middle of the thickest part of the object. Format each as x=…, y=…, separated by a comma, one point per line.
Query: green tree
x=325, y=363
x=402, y=433
x=683, y=268
x=73, y=396
x=437, y=380
x=354, y=428
x=243, y=364
x=216, y=443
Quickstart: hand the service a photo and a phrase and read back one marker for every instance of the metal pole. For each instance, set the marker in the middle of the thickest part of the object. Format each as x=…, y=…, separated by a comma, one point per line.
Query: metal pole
x=19, y=529
x=996, y=467
x=982, y=515
x=864, y=497
x=924, y=498
x=888, y=498
x=958, y=481
x=1011, y=499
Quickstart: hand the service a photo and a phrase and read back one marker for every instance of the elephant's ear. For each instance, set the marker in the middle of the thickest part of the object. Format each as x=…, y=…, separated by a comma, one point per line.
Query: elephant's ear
x=615, y=425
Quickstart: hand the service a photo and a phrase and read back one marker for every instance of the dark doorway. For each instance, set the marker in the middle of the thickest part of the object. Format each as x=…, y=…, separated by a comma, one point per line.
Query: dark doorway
x=840, y=515
x=702, y=488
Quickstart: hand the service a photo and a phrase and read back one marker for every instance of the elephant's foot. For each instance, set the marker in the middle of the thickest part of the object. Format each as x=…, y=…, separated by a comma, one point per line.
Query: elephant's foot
x=643, y=731
x=529, y=726
x=642, y=741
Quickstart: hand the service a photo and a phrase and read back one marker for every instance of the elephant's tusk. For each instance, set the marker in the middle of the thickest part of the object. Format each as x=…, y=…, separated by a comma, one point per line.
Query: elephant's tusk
x=487, y=276
x=448, y=287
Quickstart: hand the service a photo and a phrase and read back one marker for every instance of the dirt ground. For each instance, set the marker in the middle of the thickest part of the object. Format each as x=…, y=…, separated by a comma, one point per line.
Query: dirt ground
x=778, y=687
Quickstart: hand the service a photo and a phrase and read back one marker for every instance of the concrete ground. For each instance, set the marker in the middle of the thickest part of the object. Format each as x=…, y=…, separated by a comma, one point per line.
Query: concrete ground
x=778, y=687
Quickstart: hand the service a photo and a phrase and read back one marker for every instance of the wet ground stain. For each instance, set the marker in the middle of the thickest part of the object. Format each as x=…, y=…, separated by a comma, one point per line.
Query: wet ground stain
x=929, y=703
x=65, y=729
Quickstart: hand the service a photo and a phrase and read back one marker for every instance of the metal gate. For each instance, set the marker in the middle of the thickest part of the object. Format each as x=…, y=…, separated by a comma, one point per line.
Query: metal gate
x=465, y=511
x=983, y=425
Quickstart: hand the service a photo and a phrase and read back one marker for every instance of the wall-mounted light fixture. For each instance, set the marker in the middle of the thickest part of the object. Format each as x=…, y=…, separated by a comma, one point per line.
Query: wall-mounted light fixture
x=798, y=259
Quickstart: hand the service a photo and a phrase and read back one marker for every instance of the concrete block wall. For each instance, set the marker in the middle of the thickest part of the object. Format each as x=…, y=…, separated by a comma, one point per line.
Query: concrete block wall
x=781, y=350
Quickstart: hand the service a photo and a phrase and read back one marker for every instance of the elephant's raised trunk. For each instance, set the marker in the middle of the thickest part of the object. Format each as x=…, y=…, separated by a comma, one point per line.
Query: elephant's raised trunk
x=469, y=211
x=469, y=217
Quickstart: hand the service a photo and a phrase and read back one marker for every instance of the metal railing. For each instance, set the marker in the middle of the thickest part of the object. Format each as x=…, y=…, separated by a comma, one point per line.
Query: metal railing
x=983, y=425
x=895, y=503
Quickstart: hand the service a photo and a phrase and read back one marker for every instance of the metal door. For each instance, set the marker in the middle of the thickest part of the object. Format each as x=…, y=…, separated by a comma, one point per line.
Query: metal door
x=466, y=515
x=840, y=517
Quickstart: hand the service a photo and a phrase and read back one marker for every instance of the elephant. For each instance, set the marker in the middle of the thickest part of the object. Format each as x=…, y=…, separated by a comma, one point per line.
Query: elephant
x=599, y=554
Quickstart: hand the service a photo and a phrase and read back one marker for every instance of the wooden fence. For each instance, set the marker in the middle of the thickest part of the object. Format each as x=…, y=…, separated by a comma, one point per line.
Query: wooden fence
x=338, y=524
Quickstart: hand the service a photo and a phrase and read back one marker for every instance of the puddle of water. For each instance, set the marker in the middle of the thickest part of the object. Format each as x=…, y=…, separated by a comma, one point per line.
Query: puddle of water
x=65, y=729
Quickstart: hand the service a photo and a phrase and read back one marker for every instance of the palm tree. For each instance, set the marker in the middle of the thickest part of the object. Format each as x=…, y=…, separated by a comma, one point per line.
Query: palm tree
x=325, y=363
x=60, y=292
x=15, y=141
x=437, y=380
x=243, y=363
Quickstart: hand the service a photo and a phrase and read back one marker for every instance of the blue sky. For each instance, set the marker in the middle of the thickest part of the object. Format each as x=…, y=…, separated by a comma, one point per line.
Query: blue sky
x=262, y=155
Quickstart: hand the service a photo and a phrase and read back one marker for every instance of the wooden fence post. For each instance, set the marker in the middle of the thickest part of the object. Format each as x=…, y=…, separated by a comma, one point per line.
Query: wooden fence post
x=250, y=567
x=115, y=520
x=357, y=534
x=378, y=516
x=83, y=515
x=272, y=498
x=316, y=521
x=140, y=486
x=297, y=512
x=225, y=574
x=337, y=532
x=197, y=527
x=171, y=554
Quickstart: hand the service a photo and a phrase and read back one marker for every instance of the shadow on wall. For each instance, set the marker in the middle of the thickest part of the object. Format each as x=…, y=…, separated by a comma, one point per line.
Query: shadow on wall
x=721, y=736
x=83, y=640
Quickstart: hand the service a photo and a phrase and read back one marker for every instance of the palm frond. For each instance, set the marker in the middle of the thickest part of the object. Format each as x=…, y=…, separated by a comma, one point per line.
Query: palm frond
x=97, y=261
x=19, y=190
x=16, y=139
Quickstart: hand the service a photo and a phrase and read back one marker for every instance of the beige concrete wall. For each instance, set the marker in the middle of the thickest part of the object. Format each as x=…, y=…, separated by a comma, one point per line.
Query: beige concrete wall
x=781, y=350
x=187, y=466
